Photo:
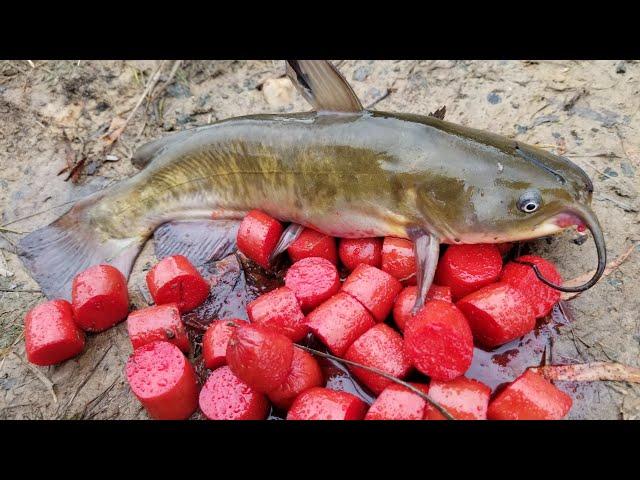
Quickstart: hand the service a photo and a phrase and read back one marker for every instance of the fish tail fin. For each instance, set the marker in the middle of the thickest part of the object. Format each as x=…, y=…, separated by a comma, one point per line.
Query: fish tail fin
x=55, y=254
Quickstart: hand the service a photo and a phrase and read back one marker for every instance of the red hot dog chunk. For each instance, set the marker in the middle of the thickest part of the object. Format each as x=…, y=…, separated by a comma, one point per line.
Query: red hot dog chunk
x=380, y=347
x=163, y=380
x=215, y=340
x=175, y=280
x=398, y=403
x=407, y=299
x=313, y=280
x=467, y=268
x=313, y=244
x=438, y=341
x=497, y=314
x=354, y=251
x=398, y=258
x=323, y=404
x=225, y=397
x=530, y=397
x=51, y=336
x=259, y=357
x=339, y=321
x=541, y=297
x=375, y=289
x=99, y=298
x=161, y=322
x=279, y=310
x=258, y=236
x=305, y=373
x=463, y=398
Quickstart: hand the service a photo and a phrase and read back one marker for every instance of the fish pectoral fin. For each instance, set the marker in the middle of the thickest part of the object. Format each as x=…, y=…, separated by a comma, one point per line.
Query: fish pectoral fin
x=427, y=250
x=290, y=234
x=322, y=85
x=198, y=240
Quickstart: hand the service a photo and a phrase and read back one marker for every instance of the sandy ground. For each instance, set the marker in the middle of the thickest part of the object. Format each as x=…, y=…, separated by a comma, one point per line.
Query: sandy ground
x=56, y=113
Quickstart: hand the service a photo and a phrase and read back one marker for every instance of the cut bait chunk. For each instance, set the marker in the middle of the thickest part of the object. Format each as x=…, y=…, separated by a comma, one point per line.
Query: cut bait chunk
x=398, y=403
x=305, y=373
x=313, y=280
x=163, y=380
x=497, y=314
x=258, y=236
x=99, y=298
x=279, y=310
x=467, y=268
x=311, y=243
x=541, y=296
x=259, y=357
x=175, y=280
x=380, y=347
x=530, y=397
x=375, y=289
x=50, y=334
x=463, y=398
x=339, y=321
x=354, y=251
x=398, y=259
x=161, y=322
x=438, y=341
x=403, y=307
x=225, y=397
x=323, y=404
x=215, y=341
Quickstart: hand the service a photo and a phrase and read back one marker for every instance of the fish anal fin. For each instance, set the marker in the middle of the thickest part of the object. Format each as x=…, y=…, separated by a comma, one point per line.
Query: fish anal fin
x=198, y=240
x=322, y=85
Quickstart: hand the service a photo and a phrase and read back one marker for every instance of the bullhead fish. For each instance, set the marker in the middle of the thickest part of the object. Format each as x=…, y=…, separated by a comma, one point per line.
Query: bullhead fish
x=340, y=169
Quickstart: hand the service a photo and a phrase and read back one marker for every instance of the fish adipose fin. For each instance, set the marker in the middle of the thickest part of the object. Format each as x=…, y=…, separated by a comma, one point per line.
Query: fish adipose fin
x=322, y=85
x=198, y=240
x=147, y=152
x=55, y=254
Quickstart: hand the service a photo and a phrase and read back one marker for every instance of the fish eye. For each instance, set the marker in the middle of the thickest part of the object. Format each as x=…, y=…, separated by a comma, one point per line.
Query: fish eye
x=529, y=201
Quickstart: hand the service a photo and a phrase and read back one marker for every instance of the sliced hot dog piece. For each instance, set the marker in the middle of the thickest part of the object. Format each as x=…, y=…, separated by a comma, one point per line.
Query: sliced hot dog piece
x=319, y=403
x=260, y=357
x=354, y=251
x=398, y=403
x=99, y=298
x=438, y=341
x=407, y=299
x=161, y=322
x=541, y=296
x=279, y=310
x=339, y=321
x=497, y=314
x=380, y=347
x=313, y=280
x=375, y=289
x=215, y=340
x=175, y=280
x=530, y=397
x=50, y=333
x=258, y=236
x=163, y=380
x=467, y=268
x=311, y=243
x=225, y=397
x=305, y=373
x=463, y=398
x=398, y=259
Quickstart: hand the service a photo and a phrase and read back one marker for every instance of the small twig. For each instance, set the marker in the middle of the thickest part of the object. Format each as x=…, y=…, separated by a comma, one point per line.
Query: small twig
x=36, y=214
x=48, y=383
x=407, y=385
x=590, y=372
x=7, y=290
x=611, y=267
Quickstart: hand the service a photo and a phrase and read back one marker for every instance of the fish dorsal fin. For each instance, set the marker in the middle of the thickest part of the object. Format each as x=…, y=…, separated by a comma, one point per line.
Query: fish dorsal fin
x=322, y=85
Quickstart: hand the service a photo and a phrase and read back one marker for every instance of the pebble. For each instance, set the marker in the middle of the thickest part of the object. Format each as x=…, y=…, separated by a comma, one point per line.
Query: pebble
x=493, y=98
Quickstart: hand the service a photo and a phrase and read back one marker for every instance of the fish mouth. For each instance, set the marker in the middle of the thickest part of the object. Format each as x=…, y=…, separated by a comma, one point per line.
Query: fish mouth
x=582, y=218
